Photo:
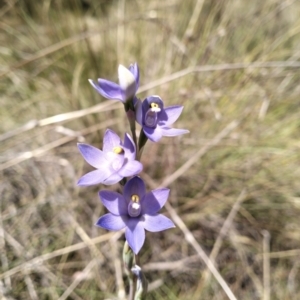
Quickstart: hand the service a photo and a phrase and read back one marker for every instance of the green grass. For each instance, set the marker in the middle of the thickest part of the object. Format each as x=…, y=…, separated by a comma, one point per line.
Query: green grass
x=49, y=49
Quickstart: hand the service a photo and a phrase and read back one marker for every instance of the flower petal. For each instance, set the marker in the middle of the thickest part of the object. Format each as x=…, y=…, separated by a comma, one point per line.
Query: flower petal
x=127, y=82
x=153, y=99
x=131, y=168
x=114, y=202
x=153, y=134
x=135, y=234
x=111, y=222
x=166, y=131
x=116, y=161
x=92, y=155
x=110, y=140
x=129, y=147
x=94, y=177
x=112, y=179
x=157, y=223
x=154, y=201
x=108, y=89
x=134, y=69
x=139, y=111
x=135, y=186
x=171, y=114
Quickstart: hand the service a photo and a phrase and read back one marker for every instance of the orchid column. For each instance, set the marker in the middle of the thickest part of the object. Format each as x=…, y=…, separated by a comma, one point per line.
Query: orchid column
x=135, y=210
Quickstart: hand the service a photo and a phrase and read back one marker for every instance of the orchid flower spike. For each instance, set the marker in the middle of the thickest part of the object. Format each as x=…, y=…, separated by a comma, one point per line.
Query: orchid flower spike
x=113, y=163
x=125, y=90
x=135, y=211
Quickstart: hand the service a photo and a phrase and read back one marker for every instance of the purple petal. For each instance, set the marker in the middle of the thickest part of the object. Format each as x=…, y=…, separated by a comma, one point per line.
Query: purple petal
x=110, y=140
x=116, y=161
x=134, y=100
x=172, y=131
x=135, y=234
x=92, y=155
x=139, y=111
x=152, y=99
x=153, y=134
x=127, y=82
x=111, y=222
x=131, y=168
x=94, y=177
x=134, y=69
x=114, y=202
x=172, y=114
x=135, y=186
x=129, y=146
x=154, y=201
x=107, y=89
x=157, y=223
x=112, y=179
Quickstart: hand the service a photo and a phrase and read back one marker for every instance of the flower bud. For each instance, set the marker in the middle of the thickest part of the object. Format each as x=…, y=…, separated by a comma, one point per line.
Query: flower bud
x=127, y=82
x=141, y=285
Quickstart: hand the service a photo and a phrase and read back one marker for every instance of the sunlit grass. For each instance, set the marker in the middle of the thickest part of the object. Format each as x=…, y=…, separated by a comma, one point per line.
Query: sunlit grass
x=48, y=50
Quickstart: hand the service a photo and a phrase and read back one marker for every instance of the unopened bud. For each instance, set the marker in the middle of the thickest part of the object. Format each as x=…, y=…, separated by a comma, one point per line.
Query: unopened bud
x=127, y=82
x=141, y=285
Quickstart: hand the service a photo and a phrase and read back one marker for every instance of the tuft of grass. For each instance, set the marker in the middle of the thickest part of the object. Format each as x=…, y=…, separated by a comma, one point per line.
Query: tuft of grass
x=224, y=61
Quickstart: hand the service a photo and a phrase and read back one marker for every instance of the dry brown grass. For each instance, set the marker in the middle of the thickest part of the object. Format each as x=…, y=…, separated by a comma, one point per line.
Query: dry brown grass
x=230, y=63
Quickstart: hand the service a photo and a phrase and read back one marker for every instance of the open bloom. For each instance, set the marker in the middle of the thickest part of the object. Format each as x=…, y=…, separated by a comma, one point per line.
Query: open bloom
x=156, y=120
x=135, y=211
x=125, y=90
x=116, y=161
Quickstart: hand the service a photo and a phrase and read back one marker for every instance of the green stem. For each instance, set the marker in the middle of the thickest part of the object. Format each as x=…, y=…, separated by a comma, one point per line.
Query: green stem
x=132, y=128
x=130, y=112
x=133, y=280
x=137, y=259
x=132, y=288
x=129, y=261
x=142, y=142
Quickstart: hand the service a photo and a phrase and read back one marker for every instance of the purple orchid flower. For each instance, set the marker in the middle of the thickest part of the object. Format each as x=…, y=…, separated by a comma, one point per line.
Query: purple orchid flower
x=155, y=119
x=116, y=161
x=135, y=211
x=125, y=90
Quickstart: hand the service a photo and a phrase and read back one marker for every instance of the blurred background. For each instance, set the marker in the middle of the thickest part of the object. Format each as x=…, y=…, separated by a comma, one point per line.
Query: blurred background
x=234, y=180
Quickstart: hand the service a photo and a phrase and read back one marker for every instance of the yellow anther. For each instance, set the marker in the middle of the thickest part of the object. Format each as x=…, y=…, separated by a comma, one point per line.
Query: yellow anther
x=135, y=198
x=118, y=150
x=154, y=105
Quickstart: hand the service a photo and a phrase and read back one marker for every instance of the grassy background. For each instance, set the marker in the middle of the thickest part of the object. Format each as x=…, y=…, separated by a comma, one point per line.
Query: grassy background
x=225, y=61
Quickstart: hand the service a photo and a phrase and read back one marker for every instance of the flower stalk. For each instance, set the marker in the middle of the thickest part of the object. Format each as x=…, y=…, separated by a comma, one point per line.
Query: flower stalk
x=131, y=119
x=135, y=210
